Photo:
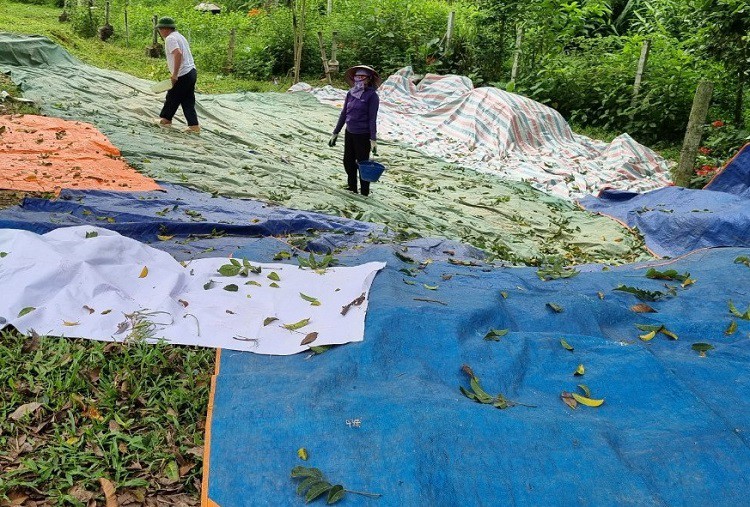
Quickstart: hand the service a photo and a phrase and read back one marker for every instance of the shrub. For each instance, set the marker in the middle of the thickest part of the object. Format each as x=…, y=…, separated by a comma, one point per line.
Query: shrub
x=721, y=141
x=593, y=84
x=85, y=20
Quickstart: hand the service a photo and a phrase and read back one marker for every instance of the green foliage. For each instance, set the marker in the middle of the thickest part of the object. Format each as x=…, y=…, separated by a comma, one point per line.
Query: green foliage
x=720, y=142
x=85, y=21
x=593, y=85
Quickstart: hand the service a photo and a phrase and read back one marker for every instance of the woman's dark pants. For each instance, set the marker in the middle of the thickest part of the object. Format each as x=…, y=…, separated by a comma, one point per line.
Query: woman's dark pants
x=356, y=149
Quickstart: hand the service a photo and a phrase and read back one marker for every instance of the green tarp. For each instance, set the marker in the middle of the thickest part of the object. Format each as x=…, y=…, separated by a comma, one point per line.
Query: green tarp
x=272, y=147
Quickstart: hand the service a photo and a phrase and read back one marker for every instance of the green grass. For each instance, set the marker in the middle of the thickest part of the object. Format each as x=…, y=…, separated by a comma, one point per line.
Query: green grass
x=115, y=55
x=131, y=413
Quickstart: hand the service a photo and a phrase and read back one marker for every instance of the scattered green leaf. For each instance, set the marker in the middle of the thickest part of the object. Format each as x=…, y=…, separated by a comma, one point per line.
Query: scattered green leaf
x=495, y=334
x=555, y=307
x=643, y=295
x=731, y=329
x=297, y=325
x=702, y=348
x=26, y=310
x=669, y=274
x=313, y=301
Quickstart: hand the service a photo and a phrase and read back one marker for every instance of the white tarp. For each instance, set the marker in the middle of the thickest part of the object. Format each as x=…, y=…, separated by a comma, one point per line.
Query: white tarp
x=494, y=131
x=111, y=288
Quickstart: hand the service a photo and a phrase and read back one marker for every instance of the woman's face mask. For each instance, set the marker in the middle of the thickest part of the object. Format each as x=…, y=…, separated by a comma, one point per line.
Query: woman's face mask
x=360, y=81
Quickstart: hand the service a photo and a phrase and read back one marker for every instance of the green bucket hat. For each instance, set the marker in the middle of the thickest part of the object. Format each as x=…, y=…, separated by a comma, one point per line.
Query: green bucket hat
x=166, y=22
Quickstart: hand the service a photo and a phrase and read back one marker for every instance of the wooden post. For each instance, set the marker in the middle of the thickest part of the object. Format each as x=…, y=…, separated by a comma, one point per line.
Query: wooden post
x=155, y=21
x=324, y=58
x=517, y=53
x=230, y=51
x=739, y=99
x=449, y=32
x=333, y=64
x=639, y=72
x=693, y=133
x=300, y=7
x=106, y=13
x=127, y=29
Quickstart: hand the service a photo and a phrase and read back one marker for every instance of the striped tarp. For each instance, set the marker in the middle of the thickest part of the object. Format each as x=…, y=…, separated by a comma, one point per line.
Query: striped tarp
x=491, y=130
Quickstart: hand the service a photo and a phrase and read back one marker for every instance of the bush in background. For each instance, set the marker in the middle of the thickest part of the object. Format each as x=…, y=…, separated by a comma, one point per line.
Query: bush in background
x=593, y=85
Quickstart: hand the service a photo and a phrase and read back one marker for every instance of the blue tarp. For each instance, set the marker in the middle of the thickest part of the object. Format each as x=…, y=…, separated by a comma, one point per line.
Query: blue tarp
x=199, y=223
x=735, y=177
x=673, y=429
x=676, y=220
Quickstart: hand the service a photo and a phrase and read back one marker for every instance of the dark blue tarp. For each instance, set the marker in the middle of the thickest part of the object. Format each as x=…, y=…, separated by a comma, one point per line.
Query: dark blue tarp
x=199, y=222
x=672, y=431
x=735, y=177
x=675, y=220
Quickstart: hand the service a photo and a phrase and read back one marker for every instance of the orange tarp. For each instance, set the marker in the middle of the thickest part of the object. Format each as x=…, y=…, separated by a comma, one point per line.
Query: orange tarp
x=43, y=154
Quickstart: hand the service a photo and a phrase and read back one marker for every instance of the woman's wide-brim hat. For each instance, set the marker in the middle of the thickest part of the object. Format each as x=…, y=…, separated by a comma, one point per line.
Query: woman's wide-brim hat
x=374, y=77
x=166, y=22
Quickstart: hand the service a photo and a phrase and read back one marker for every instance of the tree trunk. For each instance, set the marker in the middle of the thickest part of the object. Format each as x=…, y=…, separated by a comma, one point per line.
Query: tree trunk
x=693, y=134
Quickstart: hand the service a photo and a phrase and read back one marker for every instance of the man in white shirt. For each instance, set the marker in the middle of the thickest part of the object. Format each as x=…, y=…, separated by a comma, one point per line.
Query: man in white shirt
x=183, y=74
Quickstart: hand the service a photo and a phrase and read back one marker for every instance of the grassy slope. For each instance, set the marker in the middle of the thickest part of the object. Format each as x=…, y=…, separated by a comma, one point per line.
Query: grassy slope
x=42, y=20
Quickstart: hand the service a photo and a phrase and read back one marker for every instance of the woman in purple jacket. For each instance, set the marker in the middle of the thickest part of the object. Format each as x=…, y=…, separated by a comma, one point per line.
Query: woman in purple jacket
x=360, y=113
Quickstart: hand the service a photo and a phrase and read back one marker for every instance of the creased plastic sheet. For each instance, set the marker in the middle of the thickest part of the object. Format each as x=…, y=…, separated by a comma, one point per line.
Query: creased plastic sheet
x=676, y=220
x=43, y=154
x=93, y=283
x=187, y=223
x=386, y=416
x=502, y=133
x=273, y=147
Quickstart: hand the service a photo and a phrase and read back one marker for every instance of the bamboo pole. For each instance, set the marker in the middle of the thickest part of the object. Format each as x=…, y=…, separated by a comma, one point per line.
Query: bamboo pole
x=692, y=141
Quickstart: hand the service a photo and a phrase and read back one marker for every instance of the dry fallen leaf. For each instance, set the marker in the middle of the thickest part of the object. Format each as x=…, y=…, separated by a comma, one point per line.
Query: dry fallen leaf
x=311, y=337
x=109, y=492
x=642, y=308
x=144, y=272
x=26, y=408
x=569, y=400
